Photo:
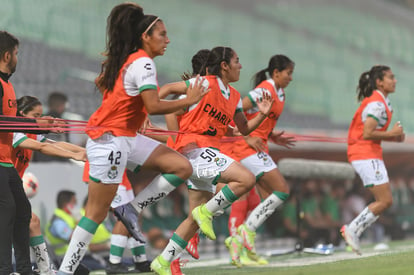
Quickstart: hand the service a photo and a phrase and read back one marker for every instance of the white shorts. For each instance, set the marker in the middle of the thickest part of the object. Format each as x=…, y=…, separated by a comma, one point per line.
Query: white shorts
x=142, y=149
x=208, y=164
x=109, y=155
x=259, y=163
x=123, y=196
x=371, y=171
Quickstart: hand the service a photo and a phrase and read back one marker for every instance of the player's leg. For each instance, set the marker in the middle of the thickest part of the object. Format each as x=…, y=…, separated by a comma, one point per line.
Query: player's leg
x=38, y=245
x=150, y=154
x=239, y=180
x=107, y=156
x=274, y=183
x=374, y=177
x=184, y=232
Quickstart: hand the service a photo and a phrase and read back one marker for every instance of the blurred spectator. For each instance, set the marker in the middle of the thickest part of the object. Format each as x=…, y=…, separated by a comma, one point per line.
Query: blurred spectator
x=60, y=228
x=314, y=227
x=354, y=202
x=57, y=106
x=334, y=193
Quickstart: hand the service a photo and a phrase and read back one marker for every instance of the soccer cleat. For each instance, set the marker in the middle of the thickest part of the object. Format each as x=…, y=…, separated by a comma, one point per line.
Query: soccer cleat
x=176, y=267
x=192, y=246
x=204, y=219
x=248, y=237
x=129, y=217
x=351, y=239
x=245, y=260
x=234, y=246
x=143, y=266
x=259, y=260
x=81, y=270
x=118, y=269
x=161, y=266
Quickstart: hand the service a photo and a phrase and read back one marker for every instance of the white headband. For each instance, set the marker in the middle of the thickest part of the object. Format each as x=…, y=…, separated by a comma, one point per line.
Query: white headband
x=152, y=24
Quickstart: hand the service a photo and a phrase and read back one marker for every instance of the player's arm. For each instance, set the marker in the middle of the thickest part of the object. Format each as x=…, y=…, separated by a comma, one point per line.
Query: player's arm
x=370, y=131
x=247, y=103
x=172, y=88
x=154, y=105
x=51, y=149
x=66, y=146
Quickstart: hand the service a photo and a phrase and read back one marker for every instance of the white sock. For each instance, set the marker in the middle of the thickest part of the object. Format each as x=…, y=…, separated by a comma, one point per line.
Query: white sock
x=174, y=247
x=221, y=200
x=362, y=221
x=39, y=249
x=138, y=250
x=81, y=237
x=262, y=212
x=118, y=244
x=160, y=187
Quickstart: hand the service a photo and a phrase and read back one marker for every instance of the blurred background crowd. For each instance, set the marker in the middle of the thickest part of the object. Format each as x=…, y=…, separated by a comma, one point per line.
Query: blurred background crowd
x=331, y=43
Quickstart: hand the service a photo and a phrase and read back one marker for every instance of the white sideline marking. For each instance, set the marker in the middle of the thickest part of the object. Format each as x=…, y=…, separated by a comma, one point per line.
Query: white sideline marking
x=304, y=261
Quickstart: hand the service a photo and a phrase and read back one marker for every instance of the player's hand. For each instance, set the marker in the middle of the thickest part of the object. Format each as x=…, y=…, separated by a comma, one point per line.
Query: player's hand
x=256, y=143
x=398, y=132
x=81, y=156
x=265, y=103
x=145, y=125
x=50, y=122
x=283, y=140
x=196, y=91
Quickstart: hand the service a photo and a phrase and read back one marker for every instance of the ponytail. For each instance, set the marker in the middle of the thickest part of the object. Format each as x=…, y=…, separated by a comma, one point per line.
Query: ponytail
x=368, y=81
x=277, y=62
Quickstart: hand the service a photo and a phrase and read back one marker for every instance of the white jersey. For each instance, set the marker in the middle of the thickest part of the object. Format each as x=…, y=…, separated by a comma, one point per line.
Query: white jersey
x=140, y=75
x=20, y=137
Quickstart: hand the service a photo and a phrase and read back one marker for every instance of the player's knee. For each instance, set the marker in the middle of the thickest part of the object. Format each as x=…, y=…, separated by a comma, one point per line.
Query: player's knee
x=285, y=189
x=249, y=180
x=387, y=203
x=183, y=169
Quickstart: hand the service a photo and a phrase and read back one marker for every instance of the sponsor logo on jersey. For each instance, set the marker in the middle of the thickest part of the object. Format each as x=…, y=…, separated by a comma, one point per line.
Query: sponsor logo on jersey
x=216, y=114
x=12, y=103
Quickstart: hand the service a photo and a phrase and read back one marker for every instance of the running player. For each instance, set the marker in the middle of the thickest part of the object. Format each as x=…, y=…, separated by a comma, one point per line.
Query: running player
x=368, y=128
x=201, y=128
x=129, y=84
x=252, y=151
x=24, y=145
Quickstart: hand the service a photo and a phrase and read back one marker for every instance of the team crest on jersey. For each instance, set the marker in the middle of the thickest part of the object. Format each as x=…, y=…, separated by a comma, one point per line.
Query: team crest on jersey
x=113, y=172
x=378, y=175
x=220, y=161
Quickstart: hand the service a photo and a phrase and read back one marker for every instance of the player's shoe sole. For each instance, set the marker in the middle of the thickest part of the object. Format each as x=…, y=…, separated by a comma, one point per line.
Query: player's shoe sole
x=129, y=217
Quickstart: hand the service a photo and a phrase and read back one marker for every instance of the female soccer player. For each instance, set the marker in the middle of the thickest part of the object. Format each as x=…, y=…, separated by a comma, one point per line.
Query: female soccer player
x=129, y=85
x=201, y=128
x=368, y=128
x=253, y=153
x=23, y=147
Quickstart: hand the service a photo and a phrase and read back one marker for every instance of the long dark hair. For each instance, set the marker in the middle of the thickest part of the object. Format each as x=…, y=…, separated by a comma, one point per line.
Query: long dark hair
x=368, y=81
x=198, y=62
x=277, y=62
x=26, y=104
x=125, y=25
x=216, y=56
